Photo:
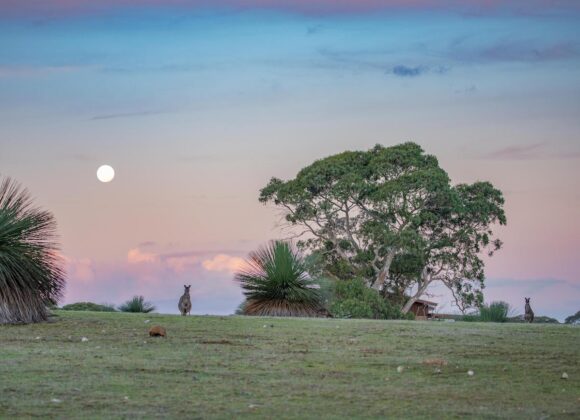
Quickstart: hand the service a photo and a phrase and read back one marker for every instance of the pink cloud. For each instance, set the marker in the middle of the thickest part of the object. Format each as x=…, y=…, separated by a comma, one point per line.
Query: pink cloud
x=180, y=264
x=80, y=269
x=223, y=262
x=136, y=256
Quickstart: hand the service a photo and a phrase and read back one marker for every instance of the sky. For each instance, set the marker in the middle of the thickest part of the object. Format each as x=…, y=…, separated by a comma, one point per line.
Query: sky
x=197, y=104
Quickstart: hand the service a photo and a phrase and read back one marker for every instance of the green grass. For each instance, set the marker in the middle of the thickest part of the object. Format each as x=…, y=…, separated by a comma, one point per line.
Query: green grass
x=230, y=367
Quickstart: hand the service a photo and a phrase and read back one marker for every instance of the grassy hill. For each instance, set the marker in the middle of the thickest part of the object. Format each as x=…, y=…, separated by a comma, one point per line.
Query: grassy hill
x=224, y=367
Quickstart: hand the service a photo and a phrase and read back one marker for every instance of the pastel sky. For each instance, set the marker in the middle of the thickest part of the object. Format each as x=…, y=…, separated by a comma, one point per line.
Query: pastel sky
x=196, y=104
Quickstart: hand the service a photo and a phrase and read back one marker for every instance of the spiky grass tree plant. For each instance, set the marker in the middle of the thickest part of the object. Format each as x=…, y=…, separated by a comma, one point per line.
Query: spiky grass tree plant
x=137, y=304
x=31, y=273
x=276, y=283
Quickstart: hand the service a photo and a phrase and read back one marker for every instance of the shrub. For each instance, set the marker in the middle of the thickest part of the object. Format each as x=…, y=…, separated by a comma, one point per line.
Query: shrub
x=31, y=274
x=89, y=306
x=545, y=320
x=137, y=304
x=494, y=312
x=354, y=299
x=573, y=319
x=276, y=283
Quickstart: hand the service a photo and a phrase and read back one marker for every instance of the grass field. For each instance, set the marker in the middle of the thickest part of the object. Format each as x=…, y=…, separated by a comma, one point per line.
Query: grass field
x=225, y=367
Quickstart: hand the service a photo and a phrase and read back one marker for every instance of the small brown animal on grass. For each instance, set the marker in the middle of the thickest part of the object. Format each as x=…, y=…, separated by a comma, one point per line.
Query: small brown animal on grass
x=435, y=362
x=157, y=331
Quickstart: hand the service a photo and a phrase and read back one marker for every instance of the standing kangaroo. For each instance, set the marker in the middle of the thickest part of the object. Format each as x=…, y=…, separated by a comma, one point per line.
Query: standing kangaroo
x=185, y=301
x=529, y=316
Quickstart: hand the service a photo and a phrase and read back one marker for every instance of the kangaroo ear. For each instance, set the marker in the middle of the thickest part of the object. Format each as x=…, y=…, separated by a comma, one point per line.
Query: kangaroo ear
x=189, y=285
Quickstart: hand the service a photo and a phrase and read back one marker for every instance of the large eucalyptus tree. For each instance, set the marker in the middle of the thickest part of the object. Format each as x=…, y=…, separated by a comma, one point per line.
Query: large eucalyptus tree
x=363, y=213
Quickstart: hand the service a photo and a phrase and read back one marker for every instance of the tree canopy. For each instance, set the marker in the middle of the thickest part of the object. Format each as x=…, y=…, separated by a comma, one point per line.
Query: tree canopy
x=391, y=217
x=573, y=319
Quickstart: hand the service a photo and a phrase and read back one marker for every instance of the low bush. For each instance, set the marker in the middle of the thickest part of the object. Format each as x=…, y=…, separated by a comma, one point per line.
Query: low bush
x=545, y=320
x=89, y=306
x=494, y=312
x=573, y=319
x=354, y=299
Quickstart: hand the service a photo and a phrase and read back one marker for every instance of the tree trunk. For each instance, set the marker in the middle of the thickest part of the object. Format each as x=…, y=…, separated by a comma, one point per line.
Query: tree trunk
x=425, y=281
x=383, y=274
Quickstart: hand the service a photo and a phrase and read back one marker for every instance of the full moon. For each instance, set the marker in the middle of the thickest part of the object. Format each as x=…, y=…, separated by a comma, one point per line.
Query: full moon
x=105, y=173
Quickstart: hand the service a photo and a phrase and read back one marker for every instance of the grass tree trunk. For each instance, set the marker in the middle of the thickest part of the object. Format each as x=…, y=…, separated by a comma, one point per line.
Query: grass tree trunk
x=25, y=308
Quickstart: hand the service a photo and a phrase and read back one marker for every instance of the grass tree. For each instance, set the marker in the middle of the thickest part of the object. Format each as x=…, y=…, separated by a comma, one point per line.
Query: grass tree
x=31, y=273
x=276, y=283
x=137, y=304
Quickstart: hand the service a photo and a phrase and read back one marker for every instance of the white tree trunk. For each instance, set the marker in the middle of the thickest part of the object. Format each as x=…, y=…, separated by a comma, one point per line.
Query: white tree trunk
x=383, y=274
x=425, y=281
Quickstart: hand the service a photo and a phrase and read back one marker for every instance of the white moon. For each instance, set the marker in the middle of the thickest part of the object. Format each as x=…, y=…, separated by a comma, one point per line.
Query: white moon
x=105, y=173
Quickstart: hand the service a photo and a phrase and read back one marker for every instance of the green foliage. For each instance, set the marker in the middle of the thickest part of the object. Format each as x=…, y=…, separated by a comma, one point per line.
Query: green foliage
x=391, y=217
x=276, y=283
x=494, y=312
x=545, y=320
x=137, y=304
x=240, y=309
x=31, y=274
x=89, y=306
x=356, y=204
x=470, y=318
x=353, y=299
x=326, y=291
x=573, y=319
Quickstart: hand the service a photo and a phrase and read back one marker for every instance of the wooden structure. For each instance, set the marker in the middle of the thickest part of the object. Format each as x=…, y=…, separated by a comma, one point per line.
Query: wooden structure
x=423, y=309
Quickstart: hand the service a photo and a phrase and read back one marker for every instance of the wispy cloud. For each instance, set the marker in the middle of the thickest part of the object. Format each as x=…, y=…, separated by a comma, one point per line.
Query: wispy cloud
x=531, y=151
x=377, y=61
x=314, y=29
x=35, y=71
x=406, y=71
x=126, y=115
x=414, y=71
x=528, y=152
x=513, y=50
x=529, y=52
x=467, y=90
